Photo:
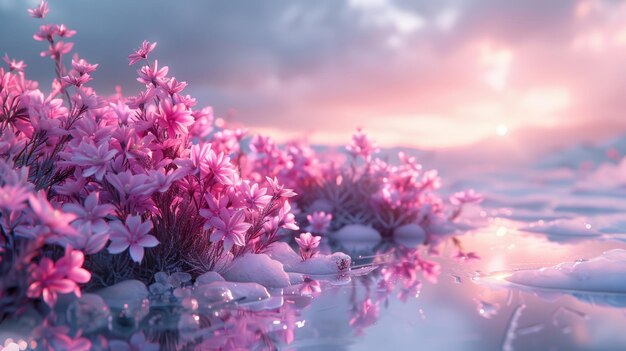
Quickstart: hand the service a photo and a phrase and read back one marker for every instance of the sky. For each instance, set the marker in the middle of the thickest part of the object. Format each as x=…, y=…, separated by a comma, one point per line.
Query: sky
x=418, y=73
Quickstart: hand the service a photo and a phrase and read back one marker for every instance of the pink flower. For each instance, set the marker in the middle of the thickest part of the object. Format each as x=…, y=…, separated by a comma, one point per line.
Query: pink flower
x=91, y=212
x=54, y=338
x=13, y=197
x=71, y=265
x=141, y=53
x=133, y=234
x=64, y=32
x=466, y=197
x=13, y=64
x=48, y=279
x=203, y=126
x=308, y=245
x=94, y=160
x=310, y=287
x=83, y=67
x=365, y=316
x=174, y=118
x=40, y=11
x=90, y=239
x=362, y=145
x=431, y=180
x=319, y=222
x=280, y=190
x=229, y=226
x=131, y=185
x=174, y=87
x=254, y=196
x=46, y=32
x=54, y=219
x=76, y=79
x=285, y=218
x=152, y=75
x=215, y=206
x=48, y=282
x=219, y=167
x=141, y=100
x=430, y=270
x=57, y=50
x=163, y=179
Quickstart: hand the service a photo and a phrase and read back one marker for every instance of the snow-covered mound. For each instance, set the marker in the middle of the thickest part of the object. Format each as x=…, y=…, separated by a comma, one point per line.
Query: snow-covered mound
x=603, y=274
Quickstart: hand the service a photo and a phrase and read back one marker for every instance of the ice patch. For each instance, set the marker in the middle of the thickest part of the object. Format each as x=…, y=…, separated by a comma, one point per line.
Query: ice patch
x=603, y=274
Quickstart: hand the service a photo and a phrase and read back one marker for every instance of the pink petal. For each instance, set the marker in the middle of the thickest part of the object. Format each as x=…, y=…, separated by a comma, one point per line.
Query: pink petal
x=95, y=243
x=62, y=285
x=49, y=297
x=80, y=275
x=148, y=241
x=117, y=247
x=239, y=239
x=136, y=253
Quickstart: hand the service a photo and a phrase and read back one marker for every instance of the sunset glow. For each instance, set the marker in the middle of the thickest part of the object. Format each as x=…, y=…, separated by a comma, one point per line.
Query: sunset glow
x=312, y=175
x=425, y=75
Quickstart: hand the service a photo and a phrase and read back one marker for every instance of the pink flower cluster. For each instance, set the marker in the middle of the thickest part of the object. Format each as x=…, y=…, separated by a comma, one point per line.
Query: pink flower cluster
x=150, y=181
x=147, y=180
x=366, y=189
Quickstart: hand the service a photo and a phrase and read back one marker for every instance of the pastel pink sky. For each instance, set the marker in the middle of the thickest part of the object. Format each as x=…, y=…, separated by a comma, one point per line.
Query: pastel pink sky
x=428, y=74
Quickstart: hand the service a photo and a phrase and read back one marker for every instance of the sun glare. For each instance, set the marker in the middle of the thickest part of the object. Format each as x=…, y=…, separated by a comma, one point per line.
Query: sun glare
x=502, y=130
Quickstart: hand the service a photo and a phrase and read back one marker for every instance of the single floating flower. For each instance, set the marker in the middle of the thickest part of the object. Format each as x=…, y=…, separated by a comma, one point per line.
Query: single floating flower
x=308, y=245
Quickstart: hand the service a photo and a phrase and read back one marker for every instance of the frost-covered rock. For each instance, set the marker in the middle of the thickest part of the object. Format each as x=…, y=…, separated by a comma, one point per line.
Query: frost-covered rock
x=410, y=234
x=320, y=264
x=129, y=292
x=357, y=237
x=295, y=278
x=257, y=268
x=272, y=303
x=324, y=264
x=357, y=232
x=209, y=277
x=223, y=263
x=89, y=313
x=283, y=253
x=222, y=291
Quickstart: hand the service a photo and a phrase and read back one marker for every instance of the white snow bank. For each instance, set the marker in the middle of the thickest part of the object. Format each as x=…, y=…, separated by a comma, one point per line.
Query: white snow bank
x=128, y=292
x=257, y=268
x=222, y=291
x=209, y=277
x=317, y=265
x=603, y=274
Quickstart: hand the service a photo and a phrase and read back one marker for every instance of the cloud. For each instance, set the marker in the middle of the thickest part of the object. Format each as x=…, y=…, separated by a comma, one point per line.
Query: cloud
x=422, y=73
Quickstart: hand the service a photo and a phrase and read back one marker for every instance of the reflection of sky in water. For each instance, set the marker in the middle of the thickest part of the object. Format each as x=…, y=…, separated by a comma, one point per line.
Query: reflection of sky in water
x=532, y=219
x=447, y=315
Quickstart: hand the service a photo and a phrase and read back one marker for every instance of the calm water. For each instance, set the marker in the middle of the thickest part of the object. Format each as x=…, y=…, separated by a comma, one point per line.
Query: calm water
x=463, y=310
